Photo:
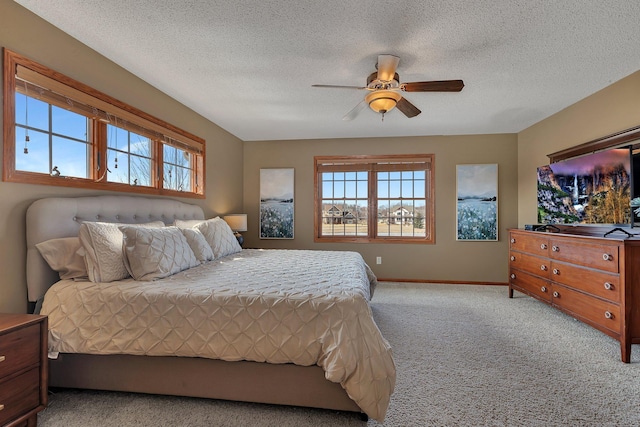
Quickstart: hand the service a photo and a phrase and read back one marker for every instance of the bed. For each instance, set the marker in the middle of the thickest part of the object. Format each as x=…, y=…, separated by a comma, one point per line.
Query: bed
x=287, y=327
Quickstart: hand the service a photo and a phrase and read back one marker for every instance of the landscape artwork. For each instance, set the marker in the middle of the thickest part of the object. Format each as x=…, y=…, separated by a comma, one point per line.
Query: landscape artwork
x=276, y=203
x=591, y=189
x=477, y=202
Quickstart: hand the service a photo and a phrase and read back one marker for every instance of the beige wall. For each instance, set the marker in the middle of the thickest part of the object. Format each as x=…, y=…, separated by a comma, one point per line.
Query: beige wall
x=448, y=259
x=613, y=109
x=26, y=34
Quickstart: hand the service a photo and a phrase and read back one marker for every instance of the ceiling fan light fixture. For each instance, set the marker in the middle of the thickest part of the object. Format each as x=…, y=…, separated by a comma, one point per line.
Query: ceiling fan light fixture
x=382, y=101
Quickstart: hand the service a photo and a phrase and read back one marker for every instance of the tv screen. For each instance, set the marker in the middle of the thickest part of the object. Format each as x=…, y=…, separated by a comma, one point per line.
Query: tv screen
x=591, y=189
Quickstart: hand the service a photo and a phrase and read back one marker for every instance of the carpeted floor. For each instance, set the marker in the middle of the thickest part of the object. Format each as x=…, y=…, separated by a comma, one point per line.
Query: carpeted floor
x=466, y=356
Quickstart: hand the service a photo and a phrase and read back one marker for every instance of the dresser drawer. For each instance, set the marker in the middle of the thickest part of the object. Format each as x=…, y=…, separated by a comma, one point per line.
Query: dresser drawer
x=530, y=284
x=532, y=243
x=530, y=263
x=593, y=255
x=19, y=349
x=19, y=395
x=604, y=285
x=599, y=312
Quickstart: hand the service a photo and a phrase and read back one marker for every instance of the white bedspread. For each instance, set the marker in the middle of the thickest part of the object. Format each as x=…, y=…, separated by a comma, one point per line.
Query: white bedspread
x=276, y=306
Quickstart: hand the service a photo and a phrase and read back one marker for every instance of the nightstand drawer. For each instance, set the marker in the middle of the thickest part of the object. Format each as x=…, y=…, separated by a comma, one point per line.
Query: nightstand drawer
x=19, y=395
x=19, y=349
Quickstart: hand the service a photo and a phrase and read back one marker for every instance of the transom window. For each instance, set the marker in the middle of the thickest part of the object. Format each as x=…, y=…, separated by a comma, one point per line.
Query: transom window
x=61, y=132
x=374, y=198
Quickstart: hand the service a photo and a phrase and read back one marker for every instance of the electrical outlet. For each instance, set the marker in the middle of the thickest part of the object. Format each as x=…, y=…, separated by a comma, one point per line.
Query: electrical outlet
x=378, y=260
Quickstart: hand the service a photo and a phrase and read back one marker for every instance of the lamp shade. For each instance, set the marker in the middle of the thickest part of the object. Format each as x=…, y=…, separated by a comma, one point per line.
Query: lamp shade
x=382, y=101
x=237, y=222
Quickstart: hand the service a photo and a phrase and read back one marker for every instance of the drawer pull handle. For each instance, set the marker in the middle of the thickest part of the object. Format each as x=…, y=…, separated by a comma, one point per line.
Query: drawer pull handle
x=2, y=358
x=543, y=289
x=513, y=276
x=556, y=294
x=1, y=407
x=543, y=246
x=554, y=248
x=513, y=240
x=556, y=271
x=608, y=315
x=513, y=258
x=543, y=267
x=607, y=257
x=608, y=286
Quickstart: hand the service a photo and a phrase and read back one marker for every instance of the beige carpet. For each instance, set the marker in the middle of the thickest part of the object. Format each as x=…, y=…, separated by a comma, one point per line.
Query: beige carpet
x=466, y=356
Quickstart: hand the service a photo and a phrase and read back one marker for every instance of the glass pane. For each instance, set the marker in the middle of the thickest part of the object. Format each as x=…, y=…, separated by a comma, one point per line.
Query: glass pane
x=117, y=138
x=362, y=190
x=118, y=167
x=383, y=175
x=140, y=171
x=338, y=176
x=71, y=157
x=338, y=189
x=407, y=174
x=363, y=175
x=350, y=176
x=327, y=189
x=68, y=123
x=35, y=116
x=394, y=188
x=183, y=179
x=169, y=176
x=407, y=188
x=419, y=175
x=350, y=189
x=140, y=145
x=394, y=175
x=419, y=189
x=383, y=189
x=37, y=157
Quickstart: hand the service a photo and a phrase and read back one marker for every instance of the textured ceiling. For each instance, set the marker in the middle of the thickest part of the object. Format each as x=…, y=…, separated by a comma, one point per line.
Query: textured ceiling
x=248, y=66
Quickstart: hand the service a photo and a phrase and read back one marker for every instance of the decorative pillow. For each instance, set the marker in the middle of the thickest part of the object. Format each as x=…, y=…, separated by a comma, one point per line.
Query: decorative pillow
x=187, y=223
x=219, y=236
x=62, y=256
x=154, y=253
x=102, y=248
x=198, y=244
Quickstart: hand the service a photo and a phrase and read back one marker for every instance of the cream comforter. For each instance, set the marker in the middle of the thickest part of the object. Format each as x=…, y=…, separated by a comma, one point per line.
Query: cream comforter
x=275, y=306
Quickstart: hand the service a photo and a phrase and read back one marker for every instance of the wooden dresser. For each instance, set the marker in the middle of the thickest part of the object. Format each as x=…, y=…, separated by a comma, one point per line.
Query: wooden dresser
x=596, y=280
x=23, y=368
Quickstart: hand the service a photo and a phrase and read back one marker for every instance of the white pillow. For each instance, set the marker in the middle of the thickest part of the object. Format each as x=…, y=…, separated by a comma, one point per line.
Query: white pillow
x=102, y=248
x=187, y=223
x=154, y=253
x=198, y=244
x=219, y=236
x=62, y=256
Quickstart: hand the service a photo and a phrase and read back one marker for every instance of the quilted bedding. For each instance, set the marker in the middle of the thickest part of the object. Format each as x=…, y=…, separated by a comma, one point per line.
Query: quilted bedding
x=275, y=306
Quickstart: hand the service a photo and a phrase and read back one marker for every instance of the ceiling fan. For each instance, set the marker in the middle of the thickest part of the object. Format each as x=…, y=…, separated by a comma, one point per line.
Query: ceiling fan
x=384, y=89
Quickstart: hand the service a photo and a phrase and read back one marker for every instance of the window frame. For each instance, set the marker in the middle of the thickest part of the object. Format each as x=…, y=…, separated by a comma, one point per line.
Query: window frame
x=374, y=164
x=94, y=105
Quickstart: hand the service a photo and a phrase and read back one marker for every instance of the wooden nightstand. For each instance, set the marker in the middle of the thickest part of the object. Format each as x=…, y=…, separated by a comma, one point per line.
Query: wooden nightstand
x=23, y=369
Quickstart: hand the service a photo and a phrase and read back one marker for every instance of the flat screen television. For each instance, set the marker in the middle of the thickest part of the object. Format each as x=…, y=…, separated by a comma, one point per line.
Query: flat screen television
x=590, y=189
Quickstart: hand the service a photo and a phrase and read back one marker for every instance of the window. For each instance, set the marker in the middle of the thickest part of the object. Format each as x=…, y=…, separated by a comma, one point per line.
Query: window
x=60, y=132
x=374, y=199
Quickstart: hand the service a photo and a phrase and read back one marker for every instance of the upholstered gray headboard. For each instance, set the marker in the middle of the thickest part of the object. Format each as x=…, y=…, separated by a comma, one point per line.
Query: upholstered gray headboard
x=56, y=217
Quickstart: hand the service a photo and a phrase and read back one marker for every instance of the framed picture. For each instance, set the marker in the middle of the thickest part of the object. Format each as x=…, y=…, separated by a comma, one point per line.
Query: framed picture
x=477, y=202
x=276, y=203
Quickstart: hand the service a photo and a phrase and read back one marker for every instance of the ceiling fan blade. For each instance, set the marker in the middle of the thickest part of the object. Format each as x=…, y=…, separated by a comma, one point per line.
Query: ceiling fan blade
x=339, y=87
x=407, y=108
x=387, y=65
x=355, y=111
x=433, y=86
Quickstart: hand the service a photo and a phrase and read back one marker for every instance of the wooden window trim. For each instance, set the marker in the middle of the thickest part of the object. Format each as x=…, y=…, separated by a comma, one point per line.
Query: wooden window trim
x=394, y=162
x=159, y=131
